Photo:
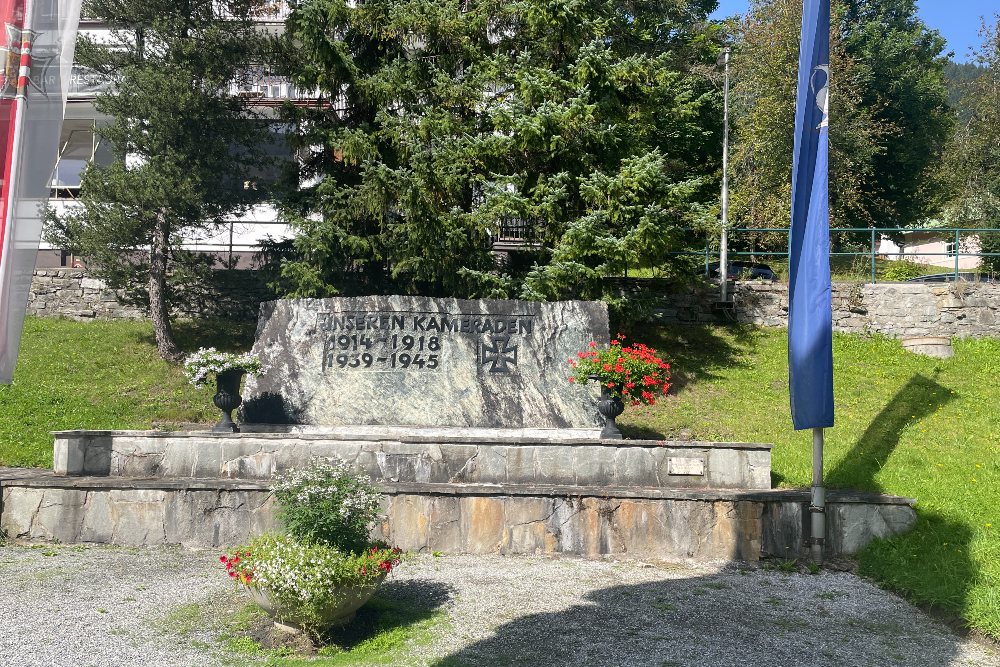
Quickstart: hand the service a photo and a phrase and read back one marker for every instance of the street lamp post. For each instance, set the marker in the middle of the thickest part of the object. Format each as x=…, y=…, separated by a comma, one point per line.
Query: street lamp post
x=724, y=241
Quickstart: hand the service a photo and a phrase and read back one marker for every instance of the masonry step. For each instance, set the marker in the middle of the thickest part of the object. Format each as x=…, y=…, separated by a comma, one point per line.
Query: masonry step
x=651, y=523
x=422, y=455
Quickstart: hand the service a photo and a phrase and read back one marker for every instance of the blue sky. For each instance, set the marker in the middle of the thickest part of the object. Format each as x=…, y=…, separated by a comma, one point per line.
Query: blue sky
x=957, y=20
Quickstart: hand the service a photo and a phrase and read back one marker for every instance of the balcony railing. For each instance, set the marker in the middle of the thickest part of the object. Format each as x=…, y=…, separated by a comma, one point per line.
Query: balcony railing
x=259, y=86
x=272, y=11
x=511, y=233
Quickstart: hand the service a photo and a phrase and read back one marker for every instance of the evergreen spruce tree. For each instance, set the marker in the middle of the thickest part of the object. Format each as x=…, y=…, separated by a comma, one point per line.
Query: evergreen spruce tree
x=581, y=121
x=182, y=143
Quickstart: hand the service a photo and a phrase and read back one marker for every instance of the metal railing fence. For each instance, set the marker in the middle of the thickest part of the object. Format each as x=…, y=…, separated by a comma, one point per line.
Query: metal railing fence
x=963, y=242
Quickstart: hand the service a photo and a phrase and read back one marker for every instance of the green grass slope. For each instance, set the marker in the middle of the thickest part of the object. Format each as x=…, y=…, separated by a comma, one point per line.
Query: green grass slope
x=97, y=375
x=905, y=424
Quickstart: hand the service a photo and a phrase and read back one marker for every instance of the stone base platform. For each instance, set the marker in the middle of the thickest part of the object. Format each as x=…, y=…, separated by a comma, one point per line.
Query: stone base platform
x=568, y=457
x=633, y=522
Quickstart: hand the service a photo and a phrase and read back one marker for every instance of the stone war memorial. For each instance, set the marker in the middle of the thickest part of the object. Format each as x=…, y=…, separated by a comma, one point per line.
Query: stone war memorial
x=423, y=362
x=463, y=414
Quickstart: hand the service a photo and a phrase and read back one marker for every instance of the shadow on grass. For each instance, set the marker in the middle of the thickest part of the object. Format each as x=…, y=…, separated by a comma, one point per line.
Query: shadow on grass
x=695, y=351
x=223, y=334
x=920, y=397
x=398, y=605
x=930, y=564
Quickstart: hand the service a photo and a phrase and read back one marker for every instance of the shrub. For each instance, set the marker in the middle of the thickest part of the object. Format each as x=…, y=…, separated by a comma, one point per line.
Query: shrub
x=328, y=503
x=901, y=270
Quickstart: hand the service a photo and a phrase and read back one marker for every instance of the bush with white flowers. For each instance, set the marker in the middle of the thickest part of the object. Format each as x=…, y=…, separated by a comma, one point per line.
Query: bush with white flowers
x=327, y=557
x=208, y=362
x=327, y=502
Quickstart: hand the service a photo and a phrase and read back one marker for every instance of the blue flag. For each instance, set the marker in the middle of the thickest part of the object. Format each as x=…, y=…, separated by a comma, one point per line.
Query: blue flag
x=810, y=320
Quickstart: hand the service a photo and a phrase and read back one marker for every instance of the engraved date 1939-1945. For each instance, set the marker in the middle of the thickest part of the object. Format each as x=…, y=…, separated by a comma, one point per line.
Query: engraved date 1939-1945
x=382, y=352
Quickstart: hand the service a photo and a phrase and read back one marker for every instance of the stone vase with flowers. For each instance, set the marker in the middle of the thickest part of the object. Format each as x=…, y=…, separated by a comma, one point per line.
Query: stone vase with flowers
x=325, y=567
x=634, y=374
x=228, y=369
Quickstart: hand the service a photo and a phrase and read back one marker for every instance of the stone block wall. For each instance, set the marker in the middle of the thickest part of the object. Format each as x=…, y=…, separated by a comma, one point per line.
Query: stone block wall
x=72, y=293
x=898, y=310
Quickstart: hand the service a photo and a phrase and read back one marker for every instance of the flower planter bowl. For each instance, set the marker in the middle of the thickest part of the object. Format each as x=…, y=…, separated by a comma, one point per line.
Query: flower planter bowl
x=340, y=610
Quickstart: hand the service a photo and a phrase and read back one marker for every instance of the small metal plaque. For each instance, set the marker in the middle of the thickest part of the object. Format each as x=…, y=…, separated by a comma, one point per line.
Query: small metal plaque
x=678, y=466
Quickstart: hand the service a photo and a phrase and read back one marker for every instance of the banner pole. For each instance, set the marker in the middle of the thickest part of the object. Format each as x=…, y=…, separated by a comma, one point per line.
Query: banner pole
x=817, y=506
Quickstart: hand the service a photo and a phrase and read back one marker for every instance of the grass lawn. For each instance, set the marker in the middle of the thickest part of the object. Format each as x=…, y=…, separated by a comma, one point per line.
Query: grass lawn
x=907, y=425
x=99, y=375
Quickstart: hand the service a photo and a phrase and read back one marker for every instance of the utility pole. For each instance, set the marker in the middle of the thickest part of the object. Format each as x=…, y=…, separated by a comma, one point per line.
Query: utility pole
x=724, y=242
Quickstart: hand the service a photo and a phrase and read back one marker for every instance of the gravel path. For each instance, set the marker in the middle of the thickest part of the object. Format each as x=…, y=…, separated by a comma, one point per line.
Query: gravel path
x=83, y=606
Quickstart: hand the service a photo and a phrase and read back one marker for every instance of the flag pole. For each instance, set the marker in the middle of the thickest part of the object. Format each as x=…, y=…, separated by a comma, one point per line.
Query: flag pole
x=810, y=317
x=817, y=506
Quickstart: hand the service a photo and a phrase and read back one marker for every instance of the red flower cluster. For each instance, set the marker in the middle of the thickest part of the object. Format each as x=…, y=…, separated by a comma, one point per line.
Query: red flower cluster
x=237, y=569
x=385, y=559
x=632, y=372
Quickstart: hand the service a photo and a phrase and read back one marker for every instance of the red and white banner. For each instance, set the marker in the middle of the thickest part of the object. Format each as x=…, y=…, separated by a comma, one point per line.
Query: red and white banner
x=37, y=39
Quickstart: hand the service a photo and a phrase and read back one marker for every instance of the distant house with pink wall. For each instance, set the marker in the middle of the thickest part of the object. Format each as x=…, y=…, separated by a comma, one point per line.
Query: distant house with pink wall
x=933, y=248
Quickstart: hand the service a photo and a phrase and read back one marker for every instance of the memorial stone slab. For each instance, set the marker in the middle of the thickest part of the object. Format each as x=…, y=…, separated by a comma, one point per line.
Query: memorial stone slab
x=423, y=361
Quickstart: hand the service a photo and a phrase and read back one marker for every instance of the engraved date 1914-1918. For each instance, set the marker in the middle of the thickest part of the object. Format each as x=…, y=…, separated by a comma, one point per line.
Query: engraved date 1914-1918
x=382, y=352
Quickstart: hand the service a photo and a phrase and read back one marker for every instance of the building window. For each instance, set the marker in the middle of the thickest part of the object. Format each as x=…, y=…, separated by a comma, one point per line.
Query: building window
x=78, y=145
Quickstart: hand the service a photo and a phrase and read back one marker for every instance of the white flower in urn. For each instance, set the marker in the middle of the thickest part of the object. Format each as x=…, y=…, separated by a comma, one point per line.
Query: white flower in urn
x=207, y=362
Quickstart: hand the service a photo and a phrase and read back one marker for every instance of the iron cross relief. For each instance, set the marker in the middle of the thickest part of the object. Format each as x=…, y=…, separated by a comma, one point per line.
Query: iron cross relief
x=499, y=354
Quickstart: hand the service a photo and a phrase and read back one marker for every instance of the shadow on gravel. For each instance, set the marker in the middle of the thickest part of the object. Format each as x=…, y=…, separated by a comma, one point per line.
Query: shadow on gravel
x=726, y=620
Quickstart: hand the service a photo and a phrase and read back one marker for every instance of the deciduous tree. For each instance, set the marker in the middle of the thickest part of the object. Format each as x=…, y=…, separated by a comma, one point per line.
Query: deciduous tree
x=973, y=159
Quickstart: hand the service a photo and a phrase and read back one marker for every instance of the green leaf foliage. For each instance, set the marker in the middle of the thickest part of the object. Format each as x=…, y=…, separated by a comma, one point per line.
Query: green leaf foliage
x=973, y=156
x=585, y=122
x=889, y=116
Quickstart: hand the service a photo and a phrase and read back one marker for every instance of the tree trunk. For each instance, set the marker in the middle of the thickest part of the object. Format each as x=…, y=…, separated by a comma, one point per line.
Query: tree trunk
x=162, y=331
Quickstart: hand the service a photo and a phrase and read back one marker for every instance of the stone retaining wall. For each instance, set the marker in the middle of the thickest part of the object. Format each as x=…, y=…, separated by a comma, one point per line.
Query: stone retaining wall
x=899, y=310
x=71, y=293
x=473, y=456
x=667, y=524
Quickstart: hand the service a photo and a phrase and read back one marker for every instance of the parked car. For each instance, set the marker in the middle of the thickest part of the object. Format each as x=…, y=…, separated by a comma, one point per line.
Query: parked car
x=743, y=271
x=963, y=276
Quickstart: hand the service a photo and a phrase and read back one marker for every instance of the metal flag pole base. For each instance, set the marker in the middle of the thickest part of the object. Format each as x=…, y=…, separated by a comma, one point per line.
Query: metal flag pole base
x=817, y=505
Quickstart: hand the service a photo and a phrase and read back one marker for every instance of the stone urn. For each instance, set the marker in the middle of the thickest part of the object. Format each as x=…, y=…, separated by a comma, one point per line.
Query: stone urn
x=227, y=398
x=340, y=610
x=610, y=406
